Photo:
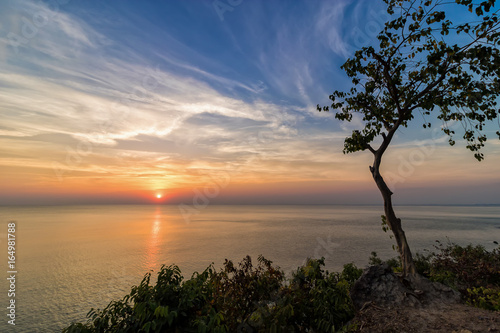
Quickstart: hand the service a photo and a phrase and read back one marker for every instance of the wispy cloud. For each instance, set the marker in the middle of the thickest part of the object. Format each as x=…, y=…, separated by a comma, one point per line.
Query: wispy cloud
x=36, y=29
x=329, y=26
x=79, y=102
x=105, y=104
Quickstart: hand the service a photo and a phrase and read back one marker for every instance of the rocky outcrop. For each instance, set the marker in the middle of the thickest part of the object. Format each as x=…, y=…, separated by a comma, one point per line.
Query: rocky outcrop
x=381, y=287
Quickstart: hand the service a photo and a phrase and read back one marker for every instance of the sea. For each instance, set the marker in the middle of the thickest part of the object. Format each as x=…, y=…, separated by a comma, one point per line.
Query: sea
x=69, y=259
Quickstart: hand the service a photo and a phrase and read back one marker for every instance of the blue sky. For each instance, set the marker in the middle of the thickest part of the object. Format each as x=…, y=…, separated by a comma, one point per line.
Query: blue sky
x=110, y=101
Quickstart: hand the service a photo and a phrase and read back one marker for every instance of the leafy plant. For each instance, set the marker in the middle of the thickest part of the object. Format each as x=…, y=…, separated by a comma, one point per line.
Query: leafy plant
x=471, y=269
x=466, y=267
x=487, y=298
x=238, y=298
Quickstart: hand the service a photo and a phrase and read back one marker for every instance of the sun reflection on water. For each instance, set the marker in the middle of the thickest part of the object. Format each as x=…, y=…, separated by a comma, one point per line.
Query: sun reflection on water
x=154, y=241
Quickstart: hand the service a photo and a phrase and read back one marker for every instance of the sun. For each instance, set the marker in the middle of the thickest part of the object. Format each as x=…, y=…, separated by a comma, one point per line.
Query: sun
x=159, y=196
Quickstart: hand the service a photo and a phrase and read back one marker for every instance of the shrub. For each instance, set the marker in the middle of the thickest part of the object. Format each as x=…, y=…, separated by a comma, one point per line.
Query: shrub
x=394, y=263
x=159, y=308
x=240, y=298
x=471, y=269
x=466, y=267
x=486, y=298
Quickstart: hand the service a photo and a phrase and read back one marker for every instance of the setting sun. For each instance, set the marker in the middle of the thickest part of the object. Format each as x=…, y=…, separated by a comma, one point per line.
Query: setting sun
x=159, y=196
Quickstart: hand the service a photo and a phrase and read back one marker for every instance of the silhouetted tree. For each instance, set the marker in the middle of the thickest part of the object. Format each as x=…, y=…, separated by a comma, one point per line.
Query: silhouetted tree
x=426, y=61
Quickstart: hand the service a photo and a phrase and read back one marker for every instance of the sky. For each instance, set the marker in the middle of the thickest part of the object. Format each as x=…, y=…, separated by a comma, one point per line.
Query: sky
x=203, y=102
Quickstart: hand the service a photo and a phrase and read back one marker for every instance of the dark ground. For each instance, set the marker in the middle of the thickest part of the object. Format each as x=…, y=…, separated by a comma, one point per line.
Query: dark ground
x=457, y=318
x=386, y=302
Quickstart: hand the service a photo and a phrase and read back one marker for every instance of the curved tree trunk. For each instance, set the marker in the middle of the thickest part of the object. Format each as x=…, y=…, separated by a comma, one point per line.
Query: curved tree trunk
x=394, y=223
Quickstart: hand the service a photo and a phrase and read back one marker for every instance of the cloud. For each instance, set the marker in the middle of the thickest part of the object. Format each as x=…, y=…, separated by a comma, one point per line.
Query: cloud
x=254, y=88
x=329, y=26
x=128, y=118
x=36, y=29
x=80, y=107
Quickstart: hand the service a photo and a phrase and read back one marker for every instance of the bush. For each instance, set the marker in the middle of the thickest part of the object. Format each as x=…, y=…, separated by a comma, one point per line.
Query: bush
x=486, y=298
x=466, y=267
x=394, y=263
x=471, y=269
x=239, y=298
x=160, y=308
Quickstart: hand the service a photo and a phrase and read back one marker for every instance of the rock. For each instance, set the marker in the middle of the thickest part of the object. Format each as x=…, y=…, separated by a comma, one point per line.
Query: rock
x=380, y=286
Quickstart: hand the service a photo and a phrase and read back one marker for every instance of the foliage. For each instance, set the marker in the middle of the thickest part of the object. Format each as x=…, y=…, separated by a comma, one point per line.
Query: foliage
x=471, y=269
x=240, y=292
x=245, y=298
x=159, y=308
x=239, y=298
x=425, y=61
x=394, y=263
x=486, y=298
x=466, y=267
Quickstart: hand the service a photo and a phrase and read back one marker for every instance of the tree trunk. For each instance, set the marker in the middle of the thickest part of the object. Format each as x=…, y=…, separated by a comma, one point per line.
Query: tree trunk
x=394, y=223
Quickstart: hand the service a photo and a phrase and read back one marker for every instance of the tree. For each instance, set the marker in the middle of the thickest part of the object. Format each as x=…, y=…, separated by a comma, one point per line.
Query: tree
x=425, y=62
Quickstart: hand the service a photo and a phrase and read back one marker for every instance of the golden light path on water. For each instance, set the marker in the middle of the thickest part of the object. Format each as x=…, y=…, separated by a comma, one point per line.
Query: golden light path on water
x=154, y=241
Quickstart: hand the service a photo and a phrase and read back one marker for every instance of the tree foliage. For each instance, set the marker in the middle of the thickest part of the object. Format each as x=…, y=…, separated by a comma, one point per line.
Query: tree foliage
x=426, y=60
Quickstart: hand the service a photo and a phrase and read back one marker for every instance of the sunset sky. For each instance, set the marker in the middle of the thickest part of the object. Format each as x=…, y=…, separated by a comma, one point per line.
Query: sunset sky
x=205, y=101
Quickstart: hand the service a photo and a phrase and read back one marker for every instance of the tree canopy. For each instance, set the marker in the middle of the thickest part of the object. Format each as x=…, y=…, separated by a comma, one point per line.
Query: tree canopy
x=436, y=57
x=425, y=62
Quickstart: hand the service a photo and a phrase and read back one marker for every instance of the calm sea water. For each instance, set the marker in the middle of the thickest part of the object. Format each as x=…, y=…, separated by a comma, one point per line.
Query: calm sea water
x=70, y=259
